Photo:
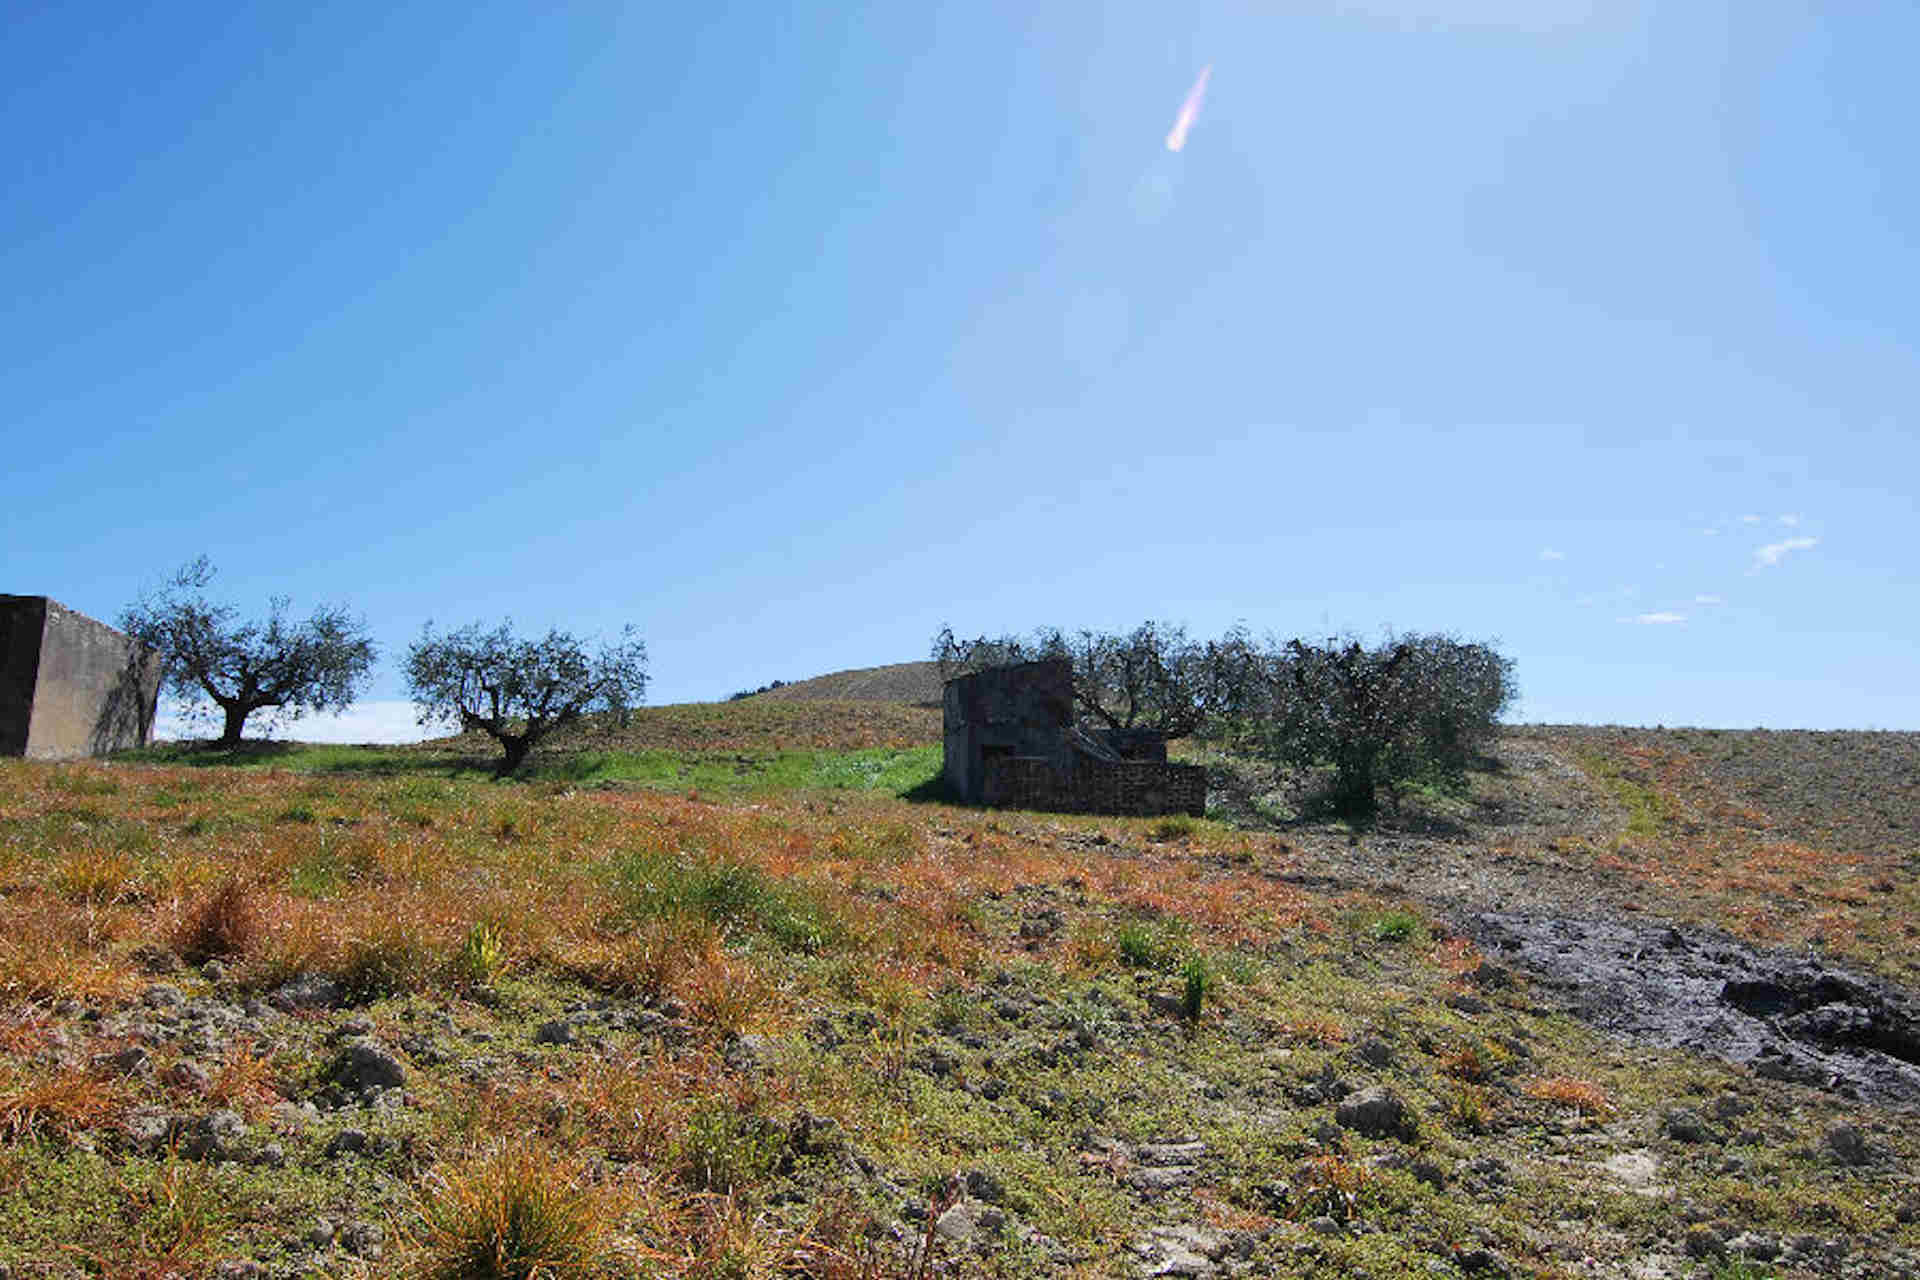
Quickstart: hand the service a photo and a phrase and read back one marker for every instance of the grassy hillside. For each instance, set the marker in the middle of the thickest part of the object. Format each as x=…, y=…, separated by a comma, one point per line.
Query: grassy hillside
x=914, y=683
x=317, y=1011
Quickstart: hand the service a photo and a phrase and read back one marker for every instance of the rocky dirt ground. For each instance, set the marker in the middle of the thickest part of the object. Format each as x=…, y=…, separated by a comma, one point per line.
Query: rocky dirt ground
x=1606, y=1014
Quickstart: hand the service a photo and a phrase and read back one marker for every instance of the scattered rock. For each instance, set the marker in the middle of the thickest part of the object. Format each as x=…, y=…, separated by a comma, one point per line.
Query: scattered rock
x=148, y=1130
x=1375, y=1052
x=163, y=996
x=960, y=1223
x=238, y=1269
x=1847, y=1145
x=1376, y=1112
x=365, y=1065
x=1158, y=1181
x=307, y=991
x=557, y=1031
x=321, y=1233
x=156, y=960
x=346, y=1142
x=128, y=1061
x=188, y=1074
x=217, y=1136
x=1683, y=1124
x=1703, y=1241
x=364, y=1239
x=750, y=1053
x=1750, y=1244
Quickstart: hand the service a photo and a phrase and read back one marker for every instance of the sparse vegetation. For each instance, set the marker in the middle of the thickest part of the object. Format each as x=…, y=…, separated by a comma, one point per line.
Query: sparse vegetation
x=786, y=1024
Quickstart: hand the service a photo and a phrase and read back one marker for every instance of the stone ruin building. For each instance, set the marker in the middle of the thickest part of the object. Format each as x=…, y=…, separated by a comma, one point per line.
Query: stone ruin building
x=1012, y=742
x=70, y=686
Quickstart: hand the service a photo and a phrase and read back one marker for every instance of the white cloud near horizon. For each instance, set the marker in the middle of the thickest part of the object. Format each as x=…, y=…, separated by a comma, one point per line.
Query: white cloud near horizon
x=1791, y=521
x=1709, y=600
x=391, y=721
x=1774, y=552
x=1655, y=619
x=1749, y=519
x=1548, y=553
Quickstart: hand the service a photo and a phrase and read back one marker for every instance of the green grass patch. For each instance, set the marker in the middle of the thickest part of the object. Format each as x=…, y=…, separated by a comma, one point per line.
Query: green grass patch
x=736, y=897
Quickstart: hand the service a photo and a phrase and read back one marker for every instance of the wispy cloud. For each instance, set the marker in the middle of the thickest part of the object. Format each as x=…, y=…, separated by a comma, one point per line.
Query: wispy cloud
x=1749, y=519
x=1548, y=553
x=1708, y=600
x=1791, y=521
x=1189, y=110
x=1774, y=552
x=1655, y=619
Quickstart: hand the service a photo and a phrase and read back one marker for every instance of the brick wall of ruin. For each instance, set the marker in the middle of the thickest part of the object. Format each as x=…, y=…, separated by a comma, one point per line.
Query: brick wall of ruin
x=1092, y=786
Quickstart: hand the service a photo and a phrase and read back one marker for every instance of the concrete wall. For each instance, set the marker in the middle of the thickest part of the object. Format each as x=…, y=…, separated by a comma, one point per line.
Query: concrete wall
x=70, y=686
x=1021, y=710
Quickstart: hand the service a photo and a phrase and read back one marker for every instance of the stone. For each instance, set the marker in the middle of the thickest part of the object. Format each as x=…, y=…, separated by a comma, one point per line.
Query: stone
x=188, y=1074
x=364, y=1239
x=346, y=1142
x=128, y=1061
x=1703, y=1241
x=163, y=996
x=959, y=1223
x=1683, y=1124
x=216, y=1136
x=1376, y=1112
x=307, y=991
x=750, y=1052
x=149, y=1130
x=364, y=1065
x=1847, y=1145
x=1375, y=1052
x=1156, y=1181
x=321, y=1233
x=238, y=1269
x=1751, y=1244
x=556, y=1031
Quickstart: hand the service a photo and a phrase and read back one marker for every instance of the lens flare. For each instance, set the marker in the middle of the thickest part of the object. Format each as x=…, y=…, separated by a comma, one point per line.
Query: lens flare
x=1189, y=110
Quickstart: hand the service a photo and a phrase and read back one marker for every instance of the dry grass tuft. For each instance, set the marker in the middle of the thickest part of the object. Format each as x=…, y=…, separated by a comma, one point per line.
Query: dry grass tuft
x=223, y=924
x=511, y=1213
x=1583, y=1096
x=35, y=1101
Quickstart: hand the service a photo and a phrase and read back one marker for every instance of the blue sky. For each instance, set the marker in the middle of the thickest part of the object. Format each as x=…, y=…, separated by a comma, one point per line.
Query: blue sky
x=790, y=334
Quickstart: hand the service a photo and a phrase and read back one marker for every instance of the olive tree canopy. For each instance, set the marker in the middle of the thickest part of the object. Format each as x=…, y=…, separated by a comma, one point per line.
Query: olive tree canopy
x=519, y=691
x=320, y=664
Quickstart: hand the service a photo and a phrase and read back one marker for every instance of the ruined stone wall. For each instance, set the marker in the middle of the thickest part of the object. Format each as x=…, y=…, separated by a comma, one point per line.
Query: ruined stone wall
x=1020, y=710
x=70, y=686
x=1094, y=786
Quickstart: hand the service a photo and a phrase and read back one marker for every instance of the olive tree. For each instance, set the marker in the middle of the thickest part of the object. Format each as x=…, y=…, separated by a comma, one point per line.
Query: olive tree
x=247, y=665
x=1415, y=707
x=520, y=691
